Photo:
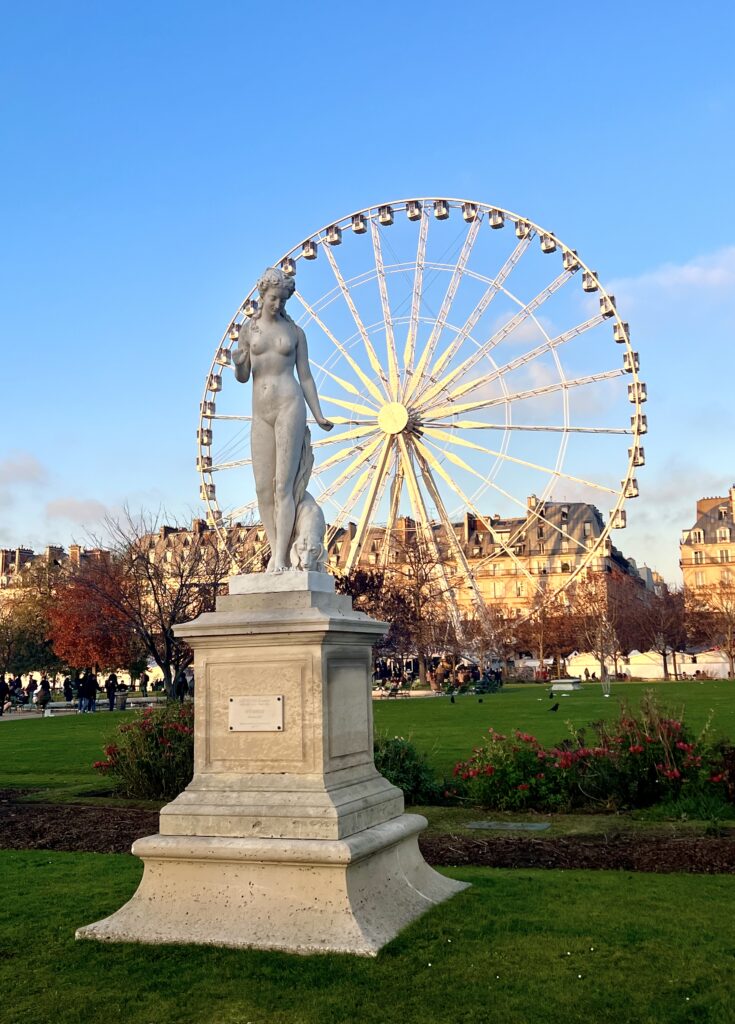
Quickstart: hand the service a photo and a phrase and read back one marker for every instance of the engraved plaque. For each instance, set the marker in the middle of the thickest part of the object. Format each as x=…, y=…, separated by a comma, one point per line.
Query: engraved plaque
x=256, y=714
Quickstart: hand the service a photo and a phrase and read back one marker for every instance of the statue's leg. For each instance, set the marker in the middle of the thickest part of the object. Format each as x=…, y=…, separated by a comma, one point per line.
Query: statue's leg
x=290, y=428
x=263, y=450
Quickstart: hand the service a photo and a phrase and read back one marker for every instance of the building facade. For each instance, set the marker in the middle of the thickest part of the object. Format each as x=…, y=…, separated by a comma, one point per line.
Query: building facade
x=707, y=550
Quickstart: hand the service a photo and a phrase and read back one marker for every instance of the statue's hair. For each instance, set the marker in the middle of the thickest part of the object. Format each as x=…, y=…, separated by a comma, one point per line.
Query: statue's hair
x=274, y=277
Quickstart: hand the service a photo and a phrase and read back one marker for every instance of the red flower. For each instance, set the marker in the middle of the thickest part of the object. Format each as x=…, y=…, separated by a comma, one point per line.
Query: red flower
x=540, y=775
x=717, y=778
x=490, y=770
x=524, y=785
x=636, y=749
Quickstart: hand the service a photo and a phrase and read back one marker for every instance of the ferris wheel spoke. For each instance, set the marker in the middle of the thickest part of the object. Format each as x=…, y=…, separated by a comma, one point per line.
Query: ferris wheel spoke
x=347, y=295
x=221, y=416
x=376, y=484
x=350, y=449
x=418, y=284
x=235, y=464
x=345, y=384
x=543, y=349
x=352, y=406
x=355, y=366
x=451, y=535
x=440, y=471
x=422, y=519
x=520, y=396
x=352, y=499
x=444, y=435
x=495, y=339
x=395, y=500
x=346, y=435
x=490, y=293
x=346, y=475
x=241, y=510
x=441, y=319
x=479, y=425
x=516, y=501
x=390, y=341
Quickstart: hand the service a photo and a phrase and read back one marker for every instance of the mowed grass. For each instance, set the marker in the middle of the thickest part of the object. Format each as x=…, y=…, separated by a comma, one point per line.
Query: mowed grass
x=527, y=947
x=57, y=754
x=447, y=732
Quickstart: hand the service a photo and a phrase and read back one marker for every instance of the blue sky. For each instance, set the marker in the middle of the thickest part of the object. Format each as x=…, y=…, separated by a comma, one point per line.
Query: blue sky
x=155, y=156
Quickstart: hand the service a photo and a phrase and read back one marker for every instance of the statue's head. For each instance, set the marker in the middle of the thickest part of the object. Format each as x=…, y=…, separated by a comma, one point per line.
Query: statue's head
x=274, y=281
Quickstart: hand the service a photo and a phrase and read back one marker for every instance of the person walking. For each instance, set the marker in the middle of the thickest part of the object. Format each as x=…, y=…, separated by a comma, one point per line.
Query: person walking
x=111, y=689
x=68, y=690
x=4, y=694
x=44, y=694
x=144, y=683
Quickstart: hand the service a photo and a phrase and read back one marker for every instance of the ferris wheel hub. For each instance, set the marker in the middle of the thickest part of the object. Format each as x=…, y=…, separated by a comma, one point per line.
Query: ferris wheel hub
x=393, y=418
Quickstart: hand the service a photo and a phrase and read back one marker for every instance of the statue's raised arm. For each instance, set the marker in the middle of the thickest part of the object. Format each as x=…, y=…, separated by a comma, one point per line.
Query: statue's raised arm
x=269, y=348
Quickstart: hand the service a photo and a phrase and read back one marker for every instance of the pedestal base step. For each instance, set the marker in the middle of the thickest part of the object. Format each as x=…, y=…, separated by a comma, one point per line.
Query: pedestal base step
x=301, y=895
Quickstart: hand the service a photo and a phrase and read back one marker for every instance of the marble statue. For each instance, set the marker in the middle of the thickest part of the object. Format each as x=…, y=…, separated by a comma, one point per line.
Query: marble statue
x=269, y=346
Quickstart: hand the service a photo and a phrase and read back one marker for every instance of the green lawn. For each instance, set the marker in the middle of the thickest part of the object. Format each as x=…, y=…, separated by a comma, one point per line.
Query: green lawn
x=650, y=950
x=448, y=732
x=58, y=753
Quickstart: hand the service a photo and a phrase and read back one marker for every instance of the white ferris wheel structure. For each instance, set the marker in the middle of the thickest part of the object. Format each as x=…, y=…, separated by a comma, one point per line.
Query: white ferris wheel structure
x=468, y=358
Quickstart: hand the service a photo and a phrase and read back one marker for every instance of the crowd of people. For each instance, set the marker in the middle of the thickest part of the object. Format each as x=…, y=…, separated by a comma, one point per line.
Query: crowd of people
x=82, y=688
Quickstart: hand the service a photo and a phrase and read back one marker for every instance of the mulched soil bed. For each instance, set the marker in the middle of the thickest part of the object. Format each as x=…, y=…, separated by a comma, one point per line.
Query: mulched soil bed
x=698, y=855
x=81, y=827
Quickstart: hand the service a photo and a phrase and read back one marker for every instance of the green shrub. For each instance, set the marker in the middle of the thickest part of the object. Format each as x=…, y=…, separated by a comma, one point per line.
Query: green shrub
x=153, y=758
x=400, y=762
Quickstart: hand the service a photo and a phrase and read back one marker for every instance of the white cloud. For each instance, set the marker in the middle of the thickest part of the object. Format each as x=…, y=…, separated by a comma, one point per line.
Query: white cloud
x=21, y=468
x=707, y=276
x=82, y=512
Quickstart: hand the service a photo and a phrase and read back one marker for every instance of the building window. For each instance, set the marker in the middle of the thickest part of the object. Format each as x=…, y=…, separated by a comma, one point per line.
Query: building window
x=540, y=531
x=588, y=529
x=724, y=556
x=565, y=566
x=699, y=557
x=723, y=533
x=519, y=588
x=723, y=511
x=541, y=547
x=726, y=576
x=698, y=579
x=697, y=537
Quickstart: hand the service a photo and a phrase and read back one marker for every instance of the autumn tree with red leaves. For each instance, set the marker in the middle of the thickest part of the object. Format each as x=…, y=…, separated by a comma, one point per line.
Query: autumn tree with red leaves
x=86, y=627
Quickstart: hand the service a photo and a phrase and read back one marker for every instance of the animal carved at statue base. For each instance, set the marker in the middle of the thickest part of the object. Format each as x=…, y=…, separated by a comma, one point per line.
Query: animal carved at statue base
x=307, y=549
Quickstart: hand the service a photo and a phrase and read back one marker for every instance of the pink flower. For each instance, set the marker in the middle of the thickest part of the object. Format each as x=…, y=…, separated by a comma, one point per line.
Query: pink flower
x=636, y=749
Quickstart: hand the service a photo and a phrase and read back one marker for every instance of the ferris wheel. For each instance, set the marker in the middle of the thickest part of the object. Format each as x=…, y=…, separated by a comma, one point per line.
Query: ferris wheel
x=468, y=358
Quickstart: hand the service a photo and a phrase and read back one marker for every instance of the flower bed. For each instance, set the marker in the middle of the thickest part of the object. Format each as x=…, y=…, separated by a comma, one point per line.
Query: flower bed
x=639, y=760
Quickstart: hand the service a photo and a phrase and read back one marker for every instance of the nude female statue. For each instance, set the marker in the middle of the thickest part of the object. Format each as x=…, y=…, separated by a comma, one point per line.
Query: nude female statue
x=269, y=346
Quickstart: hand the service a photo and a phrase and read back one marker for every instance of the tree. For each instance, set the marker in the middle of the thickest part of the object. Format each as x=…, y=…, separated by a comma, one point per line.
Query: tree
x=418, y=576
x=25, y=644
x=711, y=614
x=155, y=577
x=607, y=608
x=663, y=624
x=377, y=596
x=86, y=626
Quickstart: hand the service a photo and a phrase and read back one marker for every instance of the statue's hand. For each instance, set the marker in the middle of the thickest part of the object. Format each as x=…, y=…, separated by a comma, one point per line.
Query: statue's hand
x=325, y=424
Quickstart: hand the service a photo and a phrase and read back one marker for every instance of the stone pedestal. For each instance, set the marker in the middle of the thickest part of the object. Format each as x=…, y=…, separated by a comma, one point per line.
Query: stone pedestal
x=287, y=837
